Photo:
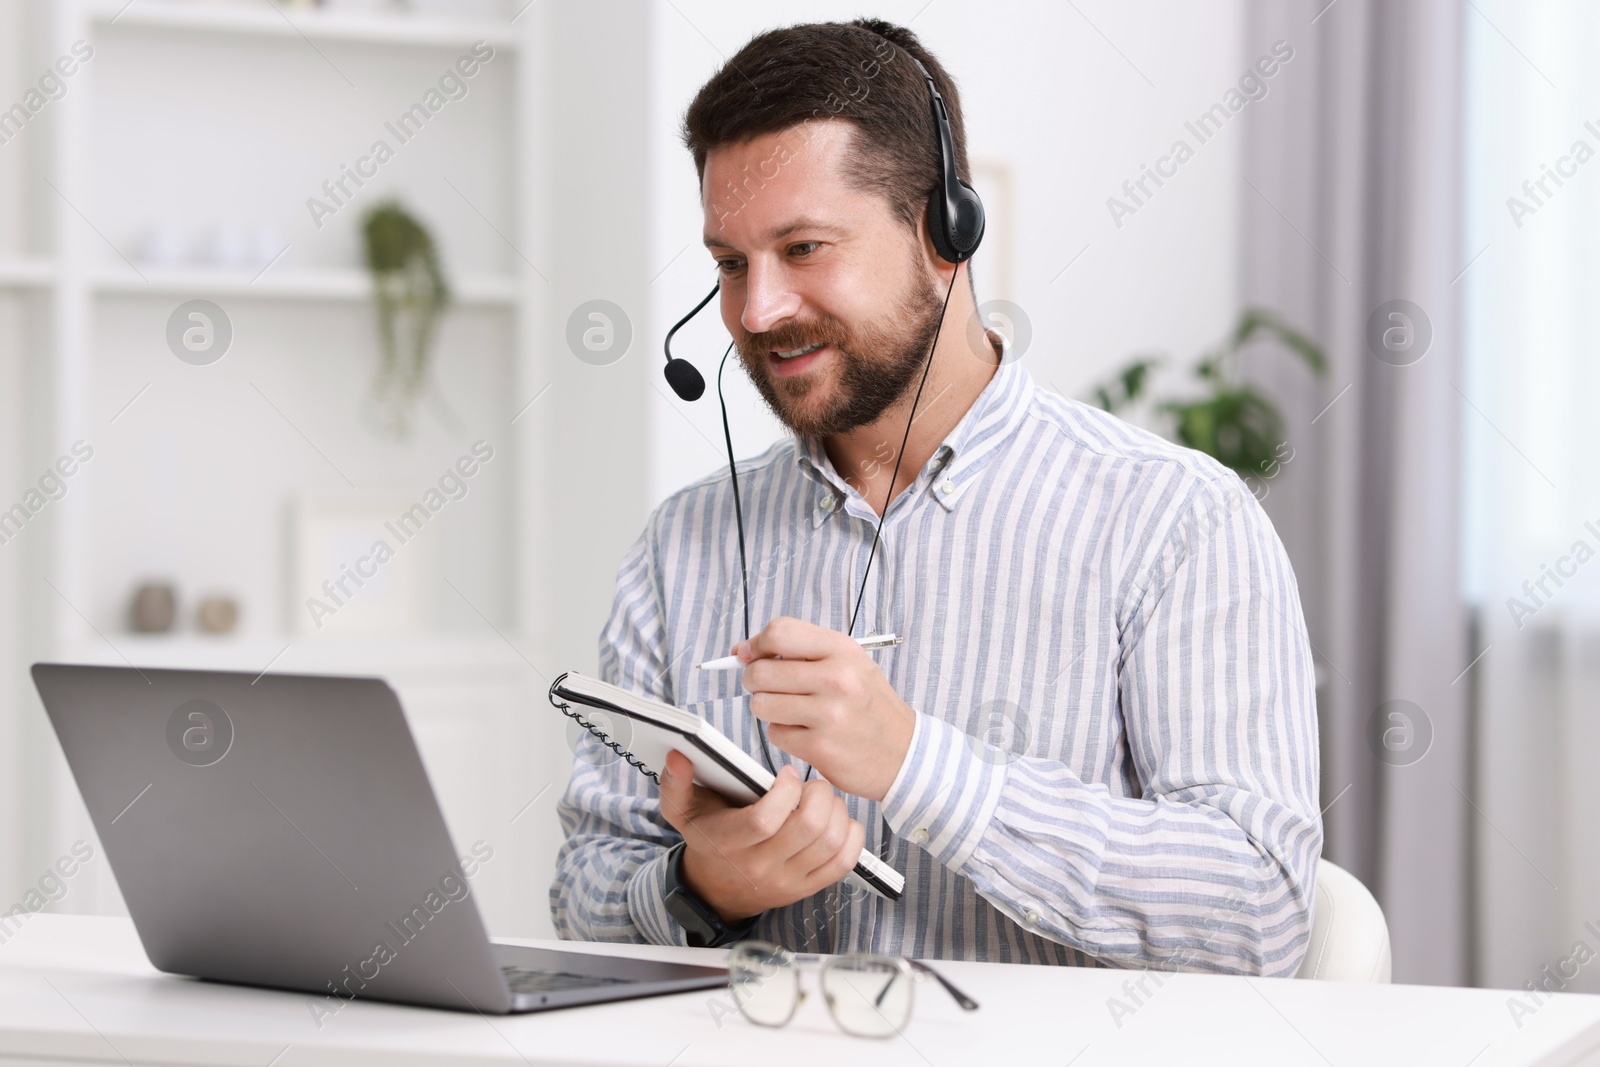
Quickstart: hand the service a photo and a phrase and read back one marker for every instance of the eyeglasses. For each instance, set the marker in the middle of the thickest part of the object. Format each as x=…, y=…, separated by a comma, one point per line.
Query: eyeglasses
x=867, y=995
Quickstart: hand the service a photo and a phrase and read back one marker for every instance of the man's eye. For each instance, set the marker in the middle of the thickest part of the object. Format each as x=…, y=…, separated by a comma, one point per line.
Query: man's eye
x=804, y=248
x=728, y=266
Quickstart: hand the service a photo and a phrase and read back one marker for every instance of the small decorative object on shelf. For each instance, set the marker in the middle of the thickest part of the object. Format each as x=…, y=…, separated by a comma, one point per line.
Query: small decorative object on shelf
x=217, y=615
x=370, y=5
x=154, y=608
x=1232, y=421
x=230, y=244
x=411, y=293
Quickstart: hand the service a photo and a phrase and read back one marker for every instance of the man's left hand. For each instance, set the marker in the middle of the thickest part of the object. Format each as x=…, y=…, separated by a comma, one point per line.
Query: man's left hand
x=826, y=702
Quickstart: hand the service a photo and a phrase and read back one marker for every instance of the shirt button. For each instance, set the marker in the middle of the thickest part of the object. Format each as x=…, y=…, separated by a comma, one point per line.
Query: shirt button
x=1031, y=917
x=947, y=486
x=919, y=836
x=825, y=501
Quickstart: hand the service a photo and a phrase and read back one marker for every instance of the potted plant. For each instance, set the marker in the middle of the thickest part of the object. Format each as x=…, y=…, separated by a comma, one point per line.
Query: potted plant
x=411, y=294
x=1230, y=420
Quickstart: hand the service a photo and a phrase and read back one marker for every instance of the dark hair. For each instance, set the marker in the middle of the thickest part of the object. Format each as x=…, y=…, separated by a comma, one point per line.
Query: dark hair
x=858, y=71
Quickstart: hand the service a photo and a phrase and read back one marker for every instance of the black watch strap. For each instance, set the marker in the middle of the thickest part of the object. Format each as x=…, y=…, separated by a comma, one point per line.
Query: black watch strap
x=704, y=928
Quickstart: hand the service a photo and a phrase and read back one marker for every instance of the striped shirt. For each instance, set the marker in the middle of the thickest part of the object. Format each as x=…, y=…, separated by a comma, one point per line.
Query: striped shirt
x=1114, y=760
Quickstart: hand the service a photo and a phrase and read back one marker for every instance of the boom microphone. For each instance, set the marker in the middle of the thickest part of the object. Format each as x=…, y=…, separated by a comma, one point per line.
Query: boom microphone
x=682, y=375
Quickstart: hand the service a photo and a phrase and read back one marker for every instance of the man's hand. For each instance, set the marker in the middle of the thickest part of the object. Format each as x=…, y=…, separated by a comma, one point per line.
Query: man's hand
x=793, y=842
x=828, y=703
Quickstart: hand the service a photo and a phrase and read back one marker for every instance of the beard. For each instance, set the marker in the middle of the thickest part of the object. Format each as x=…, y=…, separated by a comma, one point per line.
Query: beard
x=877, y=363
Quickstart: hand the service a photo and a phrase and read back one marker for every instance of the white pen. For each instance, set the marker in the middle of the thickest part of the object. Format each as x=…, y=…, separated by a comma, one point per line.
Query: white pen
x=871, y=643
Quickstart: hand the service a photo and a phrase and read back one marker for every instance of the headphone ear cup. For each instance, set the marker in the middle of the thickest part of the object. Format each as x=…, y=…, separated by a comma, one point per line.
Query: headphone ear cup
x=955, y=239
x=967, y=231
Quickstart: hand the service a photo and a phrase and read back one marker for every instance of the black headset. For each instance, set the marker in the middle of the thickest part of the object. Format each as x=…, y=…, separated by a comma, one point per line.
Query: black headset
x=953, y=202
x=955, y=225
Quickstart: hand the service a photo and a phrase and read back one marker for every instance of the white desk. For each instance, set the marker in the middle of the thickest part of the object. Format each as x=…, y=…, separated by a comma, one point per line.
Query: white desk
x=78, y=990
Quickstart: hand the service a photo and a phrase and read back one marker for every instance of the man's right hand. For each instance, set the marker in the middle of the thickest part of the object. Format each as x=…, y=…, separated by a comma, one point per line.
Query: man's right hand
x=797, y=839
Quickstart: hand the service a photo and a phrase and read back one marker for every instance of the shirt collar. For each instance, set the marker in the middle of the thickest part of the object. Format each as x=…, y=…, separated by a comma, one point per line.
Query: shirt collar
x=998, y=410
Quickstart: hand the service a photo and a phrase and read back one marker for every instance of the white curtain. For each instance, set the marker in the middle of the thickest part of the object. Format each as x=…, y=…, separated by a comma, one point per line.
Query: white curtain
x=1350, y=203
x=1532, y=485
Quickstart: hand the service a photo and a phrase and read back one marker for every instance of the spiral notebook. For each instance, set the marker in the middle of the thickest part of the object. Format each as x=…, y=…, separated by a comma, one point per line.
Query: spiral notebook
x=650, y=729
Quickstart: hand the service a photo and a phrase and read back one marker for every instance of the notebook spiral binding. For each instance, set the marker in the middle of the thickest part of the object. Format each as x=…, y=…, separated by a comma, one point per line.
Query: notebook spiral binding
x=603, y=737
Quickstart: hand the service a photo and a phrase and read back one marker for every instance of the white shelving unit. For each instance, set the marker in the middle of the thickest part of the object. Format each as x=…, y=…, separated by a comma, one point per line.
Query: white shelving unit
x=79, y=275
x=331, y=284
x=26, y=273
x=318, y=24
x=303, y=284
x=459, y=687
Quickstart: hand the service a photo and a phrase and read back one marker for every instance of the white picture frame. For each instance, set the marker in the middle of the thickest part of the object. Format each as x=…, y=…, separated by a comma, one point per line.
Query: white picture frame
x=361, y=565
x=995, y=264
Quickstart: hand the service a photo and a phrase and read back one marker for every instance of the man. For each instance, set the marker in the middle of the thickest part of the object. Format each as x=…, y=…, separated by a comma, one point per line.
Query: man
x=1097, y=744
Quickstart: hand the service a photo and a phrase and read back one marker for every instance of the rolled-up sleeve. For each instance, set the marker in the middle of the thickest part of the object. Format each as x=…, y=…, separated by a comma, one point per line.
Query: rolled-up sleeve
x=1212, y=866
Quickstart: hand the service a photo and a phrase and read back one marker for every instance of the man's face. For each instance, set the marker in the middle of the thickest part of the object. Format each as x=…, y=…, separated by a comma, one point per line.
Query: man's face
x=830, y=298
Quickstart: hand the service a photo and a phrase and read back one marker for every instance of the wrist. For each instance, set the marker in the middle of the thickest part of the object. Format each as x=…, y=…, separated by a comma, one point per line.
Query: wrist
x=901, y=766
x=889, y=755
x=691, y=874
x=705, y=925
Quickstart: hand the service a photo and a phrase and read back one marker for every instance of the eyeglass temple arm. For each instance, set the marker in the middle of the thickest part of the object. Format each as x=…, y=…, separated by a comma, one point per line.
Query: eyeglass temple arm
x=966, y=1002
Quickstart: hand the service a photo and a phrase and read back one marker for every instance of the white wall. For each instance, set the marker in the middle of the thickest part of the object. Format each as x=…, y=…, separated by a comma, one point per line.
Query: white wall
x=1045, y=94
x=23, y=330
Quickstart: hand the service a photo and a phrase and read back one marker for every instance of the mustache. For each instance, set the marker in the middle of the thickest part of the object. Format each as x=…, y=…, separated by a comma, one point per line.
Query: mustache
x=794, y=335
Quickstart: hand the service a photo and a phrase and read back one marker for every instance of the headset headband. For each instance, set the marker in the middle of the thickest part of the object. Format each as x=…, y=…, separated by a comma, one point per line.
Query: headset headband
x=955, y=214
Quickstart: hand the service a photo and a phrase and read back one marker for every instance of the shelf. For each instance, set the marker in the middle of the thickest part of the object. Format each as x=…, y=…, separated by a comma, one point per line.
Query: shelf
x=307, y=655
x=314, y=283
x=269, y=19
x=298, y=284
x=26, y=273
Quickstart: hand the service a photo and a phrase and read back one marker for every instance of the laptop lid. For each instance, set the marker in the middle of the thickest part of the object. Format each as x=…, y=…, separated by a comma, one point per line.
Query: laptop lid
x=275, y=830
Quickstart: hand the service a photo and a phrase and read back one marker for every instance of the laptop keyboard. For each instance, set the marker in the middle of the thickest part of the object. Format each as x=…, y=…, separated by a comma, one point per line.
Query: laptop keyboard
x=525, y=980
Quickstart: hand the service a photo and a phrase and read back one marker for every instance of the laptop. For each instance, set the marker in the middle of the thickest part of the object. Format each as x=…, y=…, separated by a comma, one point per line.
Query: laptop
x=279, y=830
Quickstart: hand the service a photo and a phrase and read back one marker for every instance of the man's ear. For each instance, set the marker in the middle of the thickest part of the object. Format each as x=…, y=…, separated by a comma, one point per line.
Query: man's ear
x=940, y=266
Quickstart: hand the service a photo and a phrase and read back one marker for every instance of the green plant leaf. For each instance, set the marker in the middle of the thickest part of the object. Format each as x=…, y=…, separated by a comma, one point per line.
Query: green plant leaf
x=1232, y=421
x=1257, y=320
x=1127, y=385
x=1239, y=427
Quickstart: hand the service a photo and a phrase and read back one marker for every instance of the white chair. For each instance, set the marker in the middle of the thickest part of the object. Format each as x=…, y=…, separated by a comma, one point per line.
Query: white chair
x=1349, y=937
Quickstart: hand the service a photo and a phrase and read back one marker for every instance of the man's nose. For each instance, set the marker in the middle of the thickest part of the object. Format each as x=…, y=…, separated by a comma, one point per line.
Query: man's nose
x=768, y=299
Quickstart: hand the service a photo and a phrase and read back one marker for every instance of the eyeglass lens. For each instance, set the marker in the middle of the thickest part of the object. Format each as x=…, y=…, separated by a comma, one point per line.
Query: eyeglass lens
x=868, y=997
x=764, y=982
